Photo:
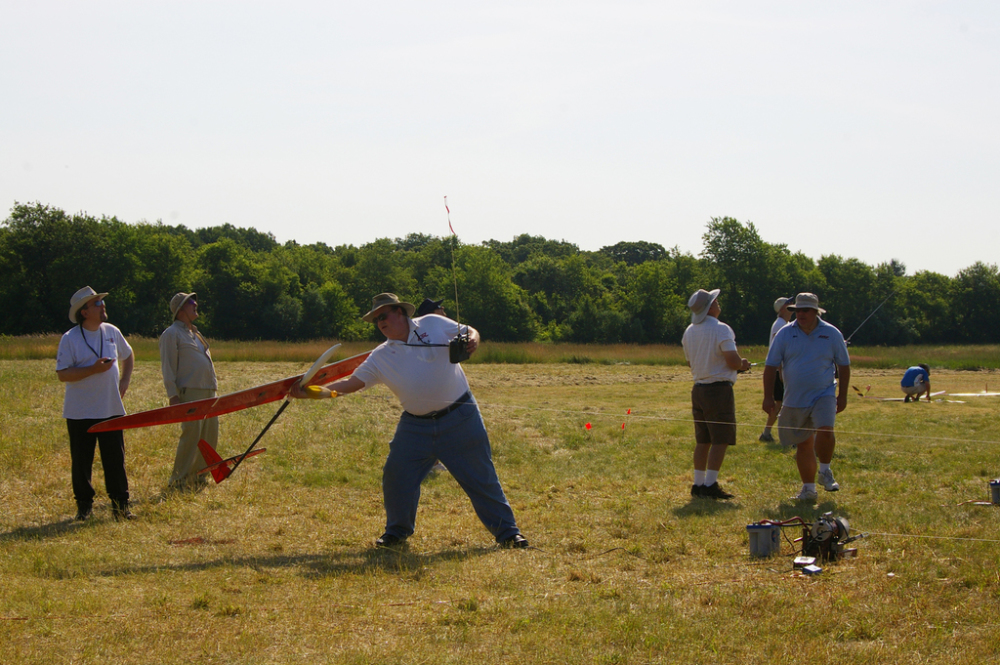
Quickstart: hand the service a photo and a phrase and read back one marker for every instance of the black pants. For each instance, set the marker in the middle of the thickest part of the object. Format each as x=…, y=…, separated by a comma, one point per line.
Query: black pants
x=81, y=449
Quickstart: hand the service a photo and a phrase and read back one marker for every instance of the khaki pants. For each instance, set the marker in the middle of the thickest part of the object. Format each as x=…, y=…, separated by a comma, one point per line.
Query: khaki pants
x=188, y=460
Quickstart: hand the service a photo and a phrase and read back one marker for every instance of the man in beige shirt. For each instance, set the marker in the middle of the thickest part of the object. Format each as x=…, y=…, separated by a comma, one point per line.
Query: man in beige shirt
x=188, y=375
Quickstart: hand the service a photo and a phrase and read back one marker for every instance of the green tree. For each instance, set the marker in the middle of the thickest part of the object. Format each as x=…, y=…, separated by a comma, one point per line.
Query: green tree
x=491, y=302
x=654, y=311
x=976, y=304
x=739, y=265
x=634, y=253
x=925, y=308
x=850, y=296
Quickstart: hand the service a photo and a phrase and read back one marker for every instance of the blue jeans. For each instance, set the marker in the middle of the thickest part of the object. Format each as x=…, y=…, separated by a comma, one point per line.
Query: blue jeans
x=460, y=441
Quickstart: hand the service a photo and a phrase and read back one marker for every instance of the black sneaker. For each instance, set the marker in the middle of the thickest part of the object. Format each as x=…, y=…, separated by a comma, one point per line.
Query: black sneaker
x=515, y=542
x=122, y=513
x=696, y=490
x=713, y=491
x=389, y=541
x=906, y=399
x=83, y=514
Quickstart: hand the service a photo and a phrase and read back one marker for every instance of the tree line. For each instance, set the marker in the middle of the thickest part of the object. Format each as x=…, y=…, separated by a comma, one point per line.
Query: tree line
x=528, y=289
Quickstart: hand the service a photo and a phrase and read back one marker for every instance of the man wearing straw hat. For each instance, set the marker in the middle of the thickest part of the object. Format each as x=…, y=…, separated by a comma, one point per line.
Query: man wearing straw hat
x=710, y=350
x=95, y=362
x=441, y=420
x=811, y=354
x=188, y=375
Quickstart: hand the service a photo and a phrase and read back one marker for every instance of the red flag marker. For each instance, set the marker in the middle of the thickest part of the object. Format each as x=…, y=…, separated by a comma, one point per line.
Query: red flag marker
x=587, y=425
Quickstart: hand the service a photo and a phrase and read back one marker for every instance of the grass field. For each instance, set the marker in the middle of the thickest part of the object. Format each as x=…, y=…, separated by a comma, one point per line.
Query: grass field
x=275, y=565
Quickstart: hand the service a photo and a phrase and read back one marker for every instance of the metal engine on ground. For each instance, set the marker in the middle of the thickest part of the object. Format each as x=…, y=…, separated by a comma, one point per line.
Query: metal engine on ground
x=826, y=539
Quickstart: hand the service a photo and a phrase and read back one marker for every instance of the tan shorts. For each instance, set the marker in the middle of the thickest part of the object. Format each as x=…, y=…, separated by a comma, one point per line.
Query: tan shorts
x=795, y=425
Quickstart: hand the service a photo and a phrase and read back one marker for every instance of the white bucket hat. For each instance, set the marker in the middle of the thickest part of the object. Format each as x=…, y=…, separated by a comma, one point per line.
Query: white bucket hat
x=700, y=302
x=807, y=301
x=178, y=301
x=81, y=298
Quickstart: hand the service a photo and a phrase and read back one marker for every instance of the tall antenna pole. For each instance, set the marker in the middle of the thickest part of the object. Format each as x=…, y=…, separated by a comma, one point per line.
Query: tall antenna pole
x=454, y=274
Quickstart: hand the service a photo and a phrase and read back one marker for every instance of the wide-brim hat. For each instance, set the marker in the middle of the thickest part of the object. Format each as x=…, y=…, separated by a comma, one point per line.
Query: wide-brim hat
x=81, y=298
x=428, y=306
x=383, y=300
x=781, y=302
x=807, y=301
x=700, y=302
x=178, y=301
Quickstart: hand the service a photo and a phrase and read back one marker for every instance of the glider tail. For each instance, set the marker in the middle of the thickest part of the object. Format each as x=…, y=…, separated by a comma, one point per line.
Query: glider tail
x=219, y=468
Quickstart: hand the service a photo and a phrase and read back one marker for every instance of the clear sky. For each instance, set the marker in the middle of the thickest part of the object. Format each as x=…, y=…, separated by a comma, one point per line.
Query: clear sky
x=865, y=129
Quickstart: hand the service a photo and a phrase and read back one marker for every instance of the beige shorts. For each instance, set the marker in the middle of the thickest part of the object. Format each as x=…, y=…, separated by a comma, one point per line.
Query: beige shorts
x=795, y=425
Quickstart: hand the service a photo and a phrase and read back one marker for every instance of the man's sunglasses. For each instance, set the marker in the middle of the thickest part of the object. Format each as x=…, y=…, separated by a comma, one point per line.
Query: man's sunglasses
x=380, y=318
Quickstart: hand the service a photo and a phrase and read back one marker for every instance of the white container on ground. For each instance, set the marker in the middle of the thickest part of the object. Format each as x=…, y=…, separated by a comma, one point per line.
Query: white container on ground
x=765, y=539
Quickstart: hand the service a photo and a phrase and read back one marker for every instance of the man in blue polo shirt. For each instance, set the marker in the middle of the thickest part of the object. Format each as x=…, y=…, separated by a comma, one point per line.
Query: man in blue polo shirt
x=916, y=381
x=811, y=353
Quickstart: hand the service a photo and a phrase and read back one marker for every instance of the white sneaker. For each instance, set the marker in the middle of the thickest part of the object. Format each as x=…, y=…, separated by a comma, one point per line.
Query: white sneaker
x=826, y=477
x=805, y=495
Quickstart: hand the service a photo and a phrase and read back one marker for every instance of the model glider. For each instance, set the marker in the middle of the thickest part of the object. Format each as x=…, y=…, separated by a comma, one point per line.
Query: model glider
x=243, y=399
x=305, y=379
x=221, y=468
x=888, y=399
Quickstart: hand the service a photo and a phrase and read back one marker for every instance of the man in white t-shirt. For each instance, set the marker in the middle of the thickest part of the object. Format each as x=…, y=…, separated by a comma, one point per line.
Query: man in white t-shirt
x=710, y=350
x=88, y=363
x=784, y=316
x=441, y=420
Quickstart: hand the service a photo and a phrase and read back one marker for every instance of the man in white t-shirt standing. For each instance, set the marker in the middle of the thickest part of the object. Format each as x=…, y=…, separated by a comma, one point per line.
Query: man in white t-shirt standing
x=710, y=350
x=88, y=363
x=440, y=421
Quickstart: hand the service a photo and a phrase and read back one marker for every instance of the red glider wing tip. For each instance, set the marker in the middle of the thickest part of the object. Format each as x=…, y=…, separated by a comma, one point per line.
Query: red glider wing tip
x=221, y=468
x=217, y=465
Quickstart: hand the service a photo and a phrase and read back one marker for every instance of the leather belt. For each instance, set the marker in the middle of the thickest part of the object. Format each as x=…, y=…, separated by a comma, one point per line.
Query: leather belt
x=433, y=415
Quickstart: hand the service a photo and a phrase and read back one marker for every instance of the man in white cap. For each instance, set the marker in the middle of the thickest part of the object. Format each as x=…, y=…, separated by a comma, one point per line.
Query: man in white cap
x=188, y=375
x=784, y=316
x=710, y=350
x=95, y=362
x=811, y=353
x=441, y=419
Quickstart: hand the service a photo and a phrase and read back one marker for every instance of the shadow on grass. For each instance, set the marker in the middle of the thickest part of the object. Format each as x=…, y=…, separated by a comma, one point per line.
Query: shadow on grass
x=698, y=507
x=807, y=511
x=317, y=566
x=43, y=531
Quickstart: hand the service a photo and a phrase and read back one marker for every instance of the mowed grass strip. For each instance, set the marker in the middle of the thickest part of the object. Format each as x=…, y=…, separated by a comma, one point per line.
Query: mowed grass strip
x=958, y=357
x=275, y=565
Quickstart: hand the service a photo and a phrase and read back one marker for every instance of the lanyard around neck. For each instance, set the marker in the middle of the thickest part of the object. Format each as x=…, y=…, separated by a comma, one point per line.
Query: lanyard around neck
x=100, y=334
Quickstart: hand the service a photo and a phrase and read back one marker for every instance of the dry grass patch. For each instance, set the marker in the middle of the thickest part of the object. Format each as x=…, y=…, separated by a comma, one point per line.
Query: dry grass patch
x=275, y=565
